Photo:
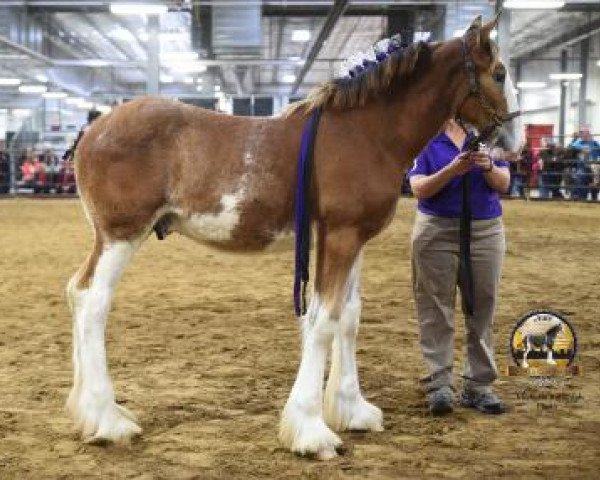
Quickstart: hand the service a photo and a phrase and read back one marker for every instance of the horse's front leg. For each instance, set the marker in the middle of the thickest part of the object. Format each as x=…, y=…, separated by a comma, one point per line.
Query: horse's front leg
x=302, y=427
x=526, y=352
x=549, y=359
x=345, y=407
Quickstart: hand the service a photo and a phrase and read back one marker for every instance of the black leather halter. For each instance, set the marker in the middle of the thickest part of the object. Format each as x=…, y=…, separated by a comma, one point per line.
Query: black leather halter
x=496, y=119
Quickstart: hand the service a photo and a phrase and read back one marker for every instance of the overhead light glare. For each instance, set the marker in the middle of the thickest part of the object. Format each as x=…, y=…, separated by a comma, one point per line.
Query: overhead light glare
x=566, y=76
x=166, y=78
x=199, y=88
x=33, y=88
x=10, y=82
x=40, y=77
x=85, y=105
x=459, y=33
x=188, y=80
x=103, y=108
x=530, y=85
x=533, y=4
x=300, y=36
x=138, y=8
x=288, y=78
x=56, y=95
x=21, y=112
x=74, y=101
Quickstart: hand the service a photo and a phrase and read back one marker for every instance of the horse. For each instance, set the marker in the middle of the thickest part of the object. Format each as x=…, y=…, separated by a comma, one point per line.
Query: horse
x=542, y=342
x=154, y=164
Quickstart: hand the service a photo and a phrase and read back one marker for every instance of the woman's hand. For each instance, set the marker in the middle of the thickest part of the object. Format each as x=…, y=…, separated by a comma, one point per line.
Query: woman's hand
x=482, y=160
x=461, y=164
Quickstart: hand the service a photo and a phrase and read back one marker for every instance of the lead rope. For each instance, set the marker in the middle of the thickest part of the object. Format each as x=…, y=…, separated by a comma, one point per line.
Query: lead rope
x=302, y=221
x=465, y=265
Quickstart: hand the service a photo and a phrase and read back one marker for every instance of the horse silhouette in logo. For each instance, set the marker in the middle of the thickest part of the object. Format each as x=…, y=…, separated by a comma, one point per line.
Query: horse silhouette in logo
x=541, y=342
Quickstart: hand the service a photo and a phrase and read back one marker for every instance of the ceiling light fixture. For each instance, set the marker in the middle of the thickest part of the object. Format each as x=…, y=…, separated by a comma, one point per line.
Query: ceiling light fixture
x=21, y=112
x=10, y=82
x=530, y=85
x=288, y=78
x=74, y=100
x=40, y=77
x=33, y=88
x=138, y=8
x=533, y=4
x=56, y=95
x=300, y=36
x=565, y=76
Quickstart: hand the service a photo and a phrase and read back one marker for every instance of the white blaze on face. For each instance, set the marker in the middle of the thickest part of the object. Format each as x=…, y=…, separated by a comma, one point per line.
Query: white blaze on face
x=512, y=135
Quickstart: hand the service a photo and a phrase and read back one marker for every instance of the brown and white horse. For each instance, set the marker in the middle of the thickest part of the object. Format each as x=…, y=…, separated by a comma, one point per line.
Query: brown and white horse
x=229, y=182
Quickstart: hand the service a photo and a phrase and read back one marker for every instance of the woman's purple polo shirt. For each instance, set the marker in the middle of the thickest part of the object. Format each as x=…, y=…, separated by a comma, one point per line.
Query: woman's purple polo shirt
x=485, y=201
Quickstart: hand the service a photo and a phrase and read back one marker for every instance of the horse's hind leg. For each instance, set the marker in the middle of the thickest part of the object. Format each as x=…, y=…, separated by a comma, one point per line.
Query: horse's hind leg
x=549, y=359
x=92, y=400
x=302, y=427
x=345, y=407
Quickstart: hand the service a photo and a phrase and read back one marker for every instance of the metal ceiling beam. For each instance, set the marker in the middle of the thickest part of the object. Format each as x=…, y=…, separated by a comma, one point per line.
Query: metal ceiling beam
x=27, y=51
x=338, y=9
x=94, y=25
x=281, y=29
x=563, y=40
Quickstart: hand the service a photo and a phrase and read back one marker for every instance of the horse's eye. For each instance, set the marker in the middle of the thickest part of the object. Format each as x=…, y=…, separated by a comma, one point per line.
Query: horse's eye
x=499, y=77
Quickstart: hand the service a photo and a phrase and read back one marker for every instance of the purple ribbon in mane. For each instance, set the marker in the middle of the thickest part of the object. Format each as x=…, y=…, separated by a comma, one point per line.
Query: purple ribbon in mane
x=302, y=222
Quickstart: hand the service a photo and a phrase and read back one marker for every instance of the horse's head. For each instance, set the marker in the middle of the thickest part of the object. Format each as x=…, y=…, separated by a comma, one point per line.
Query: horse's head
x=489, y=99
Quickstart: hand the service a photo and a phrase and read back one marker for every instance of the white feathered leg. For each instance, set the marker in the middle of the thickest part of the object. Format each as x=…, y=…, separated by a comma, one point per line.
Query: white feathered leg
x=302, y=428
x=92, y=400
x=345, y=407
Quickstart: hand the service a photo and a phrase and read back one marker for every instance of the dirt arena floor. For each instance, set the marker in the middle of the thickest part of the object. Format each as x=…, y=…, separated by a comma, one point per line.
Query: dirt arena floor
x=203, y=347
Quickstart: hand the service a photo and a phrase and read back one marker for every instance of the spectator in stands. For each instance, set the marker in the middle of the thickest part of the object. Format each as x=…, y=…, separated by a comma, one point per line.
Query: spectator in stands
x=67, y=183
x=552, y=167
x=4, y=169
x=53, y=168
x=27, y=170
x=41, y=174
x=518, y=175
x=587, y=170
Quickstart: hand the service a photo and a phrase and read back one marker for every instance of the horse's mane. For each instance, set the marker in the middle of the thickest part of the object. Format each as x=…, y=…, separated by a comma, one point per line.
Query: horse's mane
x=377, y=80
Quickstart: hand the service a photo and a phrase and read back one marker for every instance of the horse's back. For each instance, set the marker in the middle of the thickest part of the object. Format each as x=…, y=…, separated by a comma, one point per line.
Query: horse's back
x=153, y=155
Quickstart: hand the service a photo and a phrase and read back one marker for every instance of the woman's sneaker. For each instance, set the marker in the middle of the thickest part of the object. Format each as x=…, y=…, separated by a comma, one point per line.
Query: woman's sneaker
x=441, y=401
x=482, y=401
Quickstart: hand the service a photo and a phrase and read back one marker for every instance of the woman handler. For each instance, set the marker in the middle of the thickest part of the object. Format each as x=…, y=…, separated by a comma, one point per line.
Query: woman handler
x=435, y=180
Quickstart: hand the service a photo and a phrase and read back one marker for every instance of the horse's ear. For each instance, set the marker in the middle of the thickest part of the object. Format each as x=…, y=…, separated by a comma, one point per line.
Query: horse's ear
x=472, y=34
x=476, y=23
x=488, y=27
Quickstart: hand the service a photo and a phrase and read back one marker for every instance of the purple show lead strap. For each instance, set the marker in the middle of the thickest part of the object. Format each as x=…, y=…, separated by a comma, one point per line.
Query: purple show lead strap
x=302, y=221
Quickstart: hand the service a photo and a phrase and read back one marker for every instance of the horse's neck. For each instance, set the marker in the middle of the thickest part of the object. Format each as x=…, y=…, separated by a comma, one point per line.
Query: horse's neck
x=404, y=123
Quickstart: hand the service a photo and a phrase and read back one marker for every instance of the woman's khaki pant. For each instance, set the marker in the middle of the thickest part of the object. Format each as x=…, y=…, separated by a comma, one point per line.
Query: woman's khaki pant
x=435, y=272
